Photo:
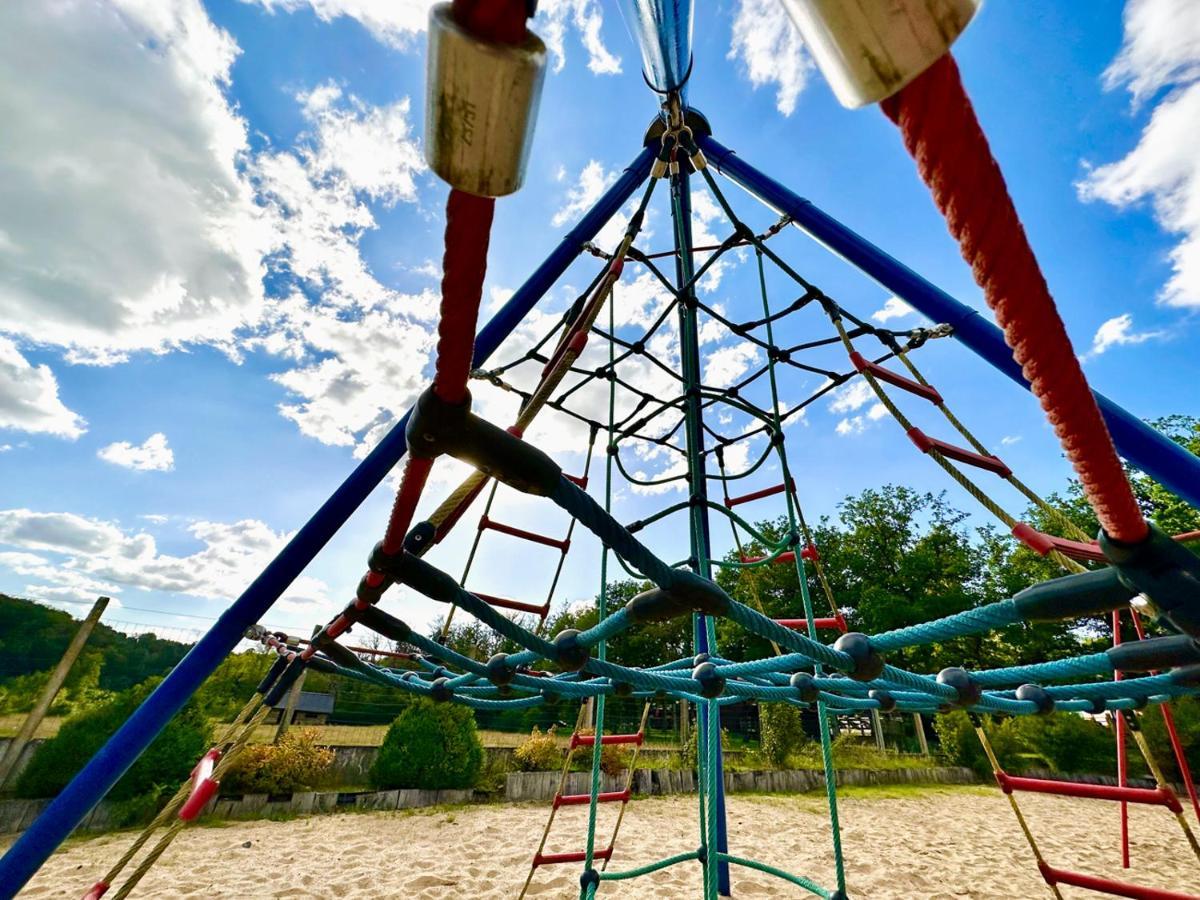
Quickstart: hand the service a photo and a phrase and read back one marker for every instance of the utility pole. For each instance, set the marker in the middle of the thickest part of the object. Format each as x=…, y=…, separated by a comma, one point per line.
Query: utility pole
x=13, y=754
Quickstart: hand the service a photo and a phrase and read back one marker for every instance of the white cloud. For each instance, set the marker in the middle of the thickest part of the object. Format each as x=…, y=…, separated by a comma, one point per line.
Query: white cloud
x=397, y=22
x=593, y=180
x=127, y=225
x=154, y=518
x=1009, y=439
x=1117, y=332
x=98, y=557
x=894, y=308
x=769, y=46
x=152, y=455
x=1161, y=53
x=851, y=396
x=851, y=426
x=29, y=397
x=877, y=412
x=4, y=448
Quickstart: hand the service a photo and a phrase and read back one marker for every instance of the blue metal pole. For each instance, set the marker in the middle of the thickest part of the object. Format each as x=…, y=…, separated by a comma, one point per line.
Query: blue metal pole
x=1159, y=457
x=92, y=782
x=663, y=31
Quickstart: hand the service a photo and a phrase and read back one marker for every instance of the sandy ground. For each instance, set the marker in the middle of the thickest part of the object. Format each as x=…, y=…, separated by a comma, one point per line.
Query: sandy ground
x=900, y=843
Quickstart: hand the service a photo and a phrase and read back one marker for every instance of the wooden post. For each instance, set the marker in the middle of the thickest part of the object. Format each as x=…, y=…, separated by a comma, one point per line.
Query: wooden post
x=683, y=724
x=285, y=720
x=13, y=754
x=877, y=727
x=919, y=722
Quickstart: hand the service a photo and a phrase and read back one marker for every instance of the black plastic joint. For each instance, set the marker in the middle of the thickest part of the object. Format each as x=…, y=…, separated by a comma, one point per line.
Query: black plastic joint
x=507, y=458
x=1073, y=596
x=712, y=682
x=336, y=652
x=622, y=689
x=1165, y=571
x=1154, y=653
x=702, y=855
x=569, y=653
x=420, y=538
x=285, y=681
x=1037, y=695
x=322, y=665
x=805, y=687
x=273, y=673
x=385, y=624
x=1187, y=676
x=885, y=700
x=385, y=563
x=435, y=426
x=690, y=593
x=499, y=670
x=967, y=688
x=440, y=691
x=868, y=663
x=588, y=878
x=370, y=593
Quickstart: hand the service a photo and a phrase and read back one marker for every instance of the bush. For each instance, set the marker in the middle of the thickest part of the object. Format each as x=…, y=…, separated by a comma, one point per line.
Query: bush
x=691, y=750
x=1186, y=713
x=1062, y=742
x=614, y=759
x=295, y=763
x=539, y=752
x=166, y=762
x=432, y=746
x=780, y=732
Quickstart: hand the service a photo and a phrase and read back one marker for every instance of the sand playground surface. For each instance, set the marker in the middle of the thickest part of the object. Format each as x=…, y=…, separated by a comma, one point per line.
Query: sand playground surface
x=913, y=842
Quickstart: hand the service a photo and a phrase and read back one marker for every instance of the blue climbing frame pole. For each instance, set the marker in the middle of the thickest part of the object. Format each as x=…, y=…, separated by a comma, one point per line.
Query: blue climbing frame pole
x=704, y=630
x=663, y=30
x=26, y=856
x=1159, y=457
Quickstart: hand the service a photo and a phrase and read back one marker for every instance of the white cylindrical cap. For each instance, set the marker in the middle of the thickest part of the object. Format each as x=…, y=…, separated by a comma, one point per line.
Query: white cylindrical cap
x=480, y=106
x=869, y=49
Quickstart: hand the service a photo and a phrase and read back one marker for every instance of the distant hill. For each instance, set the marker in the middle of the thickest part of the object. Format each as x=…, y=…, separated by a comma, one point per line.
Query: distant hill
x=33, y=637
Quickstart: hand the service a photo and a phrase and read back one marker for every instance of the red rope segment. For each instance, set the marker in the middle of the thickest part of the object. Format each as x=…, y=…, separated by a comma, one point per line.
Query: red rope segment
x=944, y=137
x=464, y=264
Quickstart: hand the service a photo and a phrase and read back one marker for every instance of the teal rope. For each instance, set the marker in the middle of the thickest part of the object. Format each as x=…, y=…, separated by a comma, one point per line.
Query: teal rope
x=650, y=867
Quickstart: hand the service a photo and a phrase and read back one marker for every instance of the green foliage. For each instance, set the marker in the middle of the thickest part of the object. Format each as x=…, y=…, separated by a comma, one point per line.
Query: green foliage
x=234, y=681
x=33, y=637
x=539, y=752
x=432, y=746
x=295, y=763
x=1063, y=742
x=80, y=690
x=780, y=732
x=614, y=759
x=1186, y=713
x=691, y=750
x=166, y=762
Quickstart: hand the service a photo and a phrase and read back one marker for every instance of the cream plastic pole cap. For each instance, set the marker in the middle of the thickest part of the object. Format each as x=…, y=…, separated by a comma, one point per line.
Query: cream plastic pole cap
x=480, y=106
x=869, y=49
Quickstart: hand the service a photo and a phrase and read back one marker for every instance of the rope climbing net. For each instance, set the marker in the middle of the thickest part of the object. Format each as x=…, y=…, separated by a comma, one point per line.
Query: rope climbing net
x=633, y=378
x=605, y=393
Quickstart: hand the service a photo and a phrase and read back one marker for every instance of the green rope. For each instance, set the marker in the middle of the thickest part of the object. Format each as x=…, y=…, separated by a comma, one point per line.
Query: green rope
x=778, y=873
x=650, y=867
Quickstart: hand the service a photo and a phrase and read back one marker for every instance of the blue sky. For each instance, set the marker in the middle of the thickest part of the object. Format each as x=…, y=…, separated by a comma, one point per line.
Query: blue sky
x=219, y=253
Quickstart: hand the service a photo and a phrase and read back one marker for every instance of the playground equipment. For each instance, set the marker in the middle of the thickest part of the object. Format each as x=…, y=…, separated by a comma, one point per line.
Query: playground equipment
x=924, y=96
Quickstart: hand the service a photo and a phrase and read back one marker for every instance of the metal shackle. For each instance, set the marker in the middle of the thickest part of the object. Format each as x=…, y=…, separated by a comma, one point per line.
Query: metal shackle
x=480, y=106
x=869, y=49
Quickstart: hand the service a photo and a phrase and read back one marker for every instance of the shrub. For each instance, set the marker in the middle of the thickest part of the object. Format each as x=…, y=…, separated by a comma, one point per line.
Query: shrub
x=780, y=732
x=539, y=752
x=691, y=750
x=166, y=762
x=294, y=764
x=614, y=759
x=1186, y=713
x=1062, y=742
x=430, y=745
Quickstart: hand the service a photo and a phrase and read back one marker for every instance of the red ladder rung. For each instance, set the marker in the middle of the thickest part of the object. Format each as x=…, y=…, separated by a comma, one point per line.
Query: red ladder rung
x=1043, y=543
x=905, y=384
x=1158, y=796
x=485, y=522
x=581, y=799
x=589, y=740
x=834, y=623
x=788, y=556
x=1107, y=885
x=968, y=457
x=574, y=856
x=789, y=485
x=515, y=605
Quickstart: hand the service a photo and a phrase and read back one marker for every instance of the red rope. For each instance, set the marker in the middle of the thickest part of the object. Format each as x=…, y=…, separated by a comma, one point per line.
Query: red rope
x=944, y=137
